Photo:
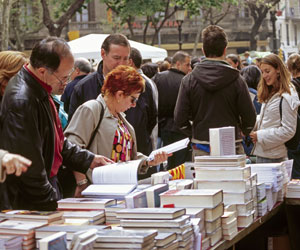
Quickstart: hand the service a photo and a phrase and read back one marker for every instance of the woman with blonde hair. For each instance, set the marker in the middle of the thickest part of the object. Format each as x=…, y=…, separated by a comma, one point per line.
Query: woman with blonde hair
x=10, y=63
x=272, y=130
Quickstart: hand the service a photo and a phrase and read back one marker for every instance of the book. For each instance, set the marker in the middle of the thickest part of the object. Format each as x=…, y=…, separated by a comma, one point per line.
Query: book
x=47, y=216
x=91, y=216
x=244, y=209
x=195, y=212
x=84, y=203
x=222, y=141
x=237, y=186
x=114, y=180
x=151, y=213
x=76, y=222
x=163, y=239
x=213, y=225
x=181, y=184
x=227, y=217
x=153, y=192
x=237, y=198
x=215, y=236
x=19, y=227
x=70, y=230
x=124, y=245
x=11, y=242
x=160, y=178
x=136, y=200
x=245, y=221
x=171, y=148
x=222, y=173
x=213, y=213
x=173, y=245
x=134, y=236
x=54, y=242
x=205, y=198
x=229, y=225
x=155, y=223
x=222, y=159
x=85, y=238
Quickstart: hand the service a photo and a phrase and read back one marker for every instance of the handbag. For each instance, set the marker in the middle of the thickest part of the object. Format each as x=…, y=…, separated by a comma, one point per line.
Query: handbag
x=96, y=129
x=292, y=144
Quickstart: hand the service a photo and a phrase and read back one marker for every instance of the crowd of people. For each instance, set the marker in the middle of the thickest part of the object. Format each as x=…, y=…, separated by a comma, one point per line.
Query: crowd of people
x=124, y=109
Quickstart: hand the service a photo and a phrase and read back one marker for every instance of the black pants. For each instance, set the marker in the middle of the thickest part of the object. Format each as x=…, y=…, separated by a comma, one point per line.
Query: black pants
x=180, y=156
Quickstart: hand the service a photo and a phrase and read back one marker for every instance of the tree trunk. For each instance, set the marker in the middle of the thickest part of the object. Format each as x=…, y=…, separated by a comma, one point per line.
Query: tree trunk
x=145, y=30
x=129, y=23
x=197, y=41
x=5, y=24
x=55, y=28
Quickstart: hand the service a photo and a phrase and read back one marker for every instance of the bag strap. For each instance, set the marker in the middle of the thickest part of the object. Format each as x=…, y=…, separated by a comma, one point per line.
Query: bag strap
x=96, y=129
x=280, y=108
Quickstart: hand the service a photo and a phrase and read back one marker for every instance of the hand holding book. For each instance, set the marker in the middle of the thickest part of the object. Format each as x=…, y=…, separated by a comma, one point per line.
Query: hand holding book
x=159, y=157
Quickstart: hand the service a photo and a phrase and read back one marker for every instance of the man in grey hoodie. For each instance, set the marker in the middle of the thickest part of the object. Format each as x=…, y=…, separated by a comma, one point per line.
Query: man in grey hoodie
x=213, y=95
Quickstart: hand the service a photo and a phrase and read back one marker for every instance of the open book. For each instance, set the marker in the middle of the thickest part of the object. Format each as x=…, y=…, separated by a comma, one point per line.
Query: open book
x=171, y=148
x=114, y=180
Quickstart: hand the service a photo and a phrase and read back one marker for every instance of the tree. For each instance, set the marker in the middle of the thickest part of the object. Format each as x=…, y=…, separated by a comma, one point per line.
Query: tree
x=258, y=11
x=6, y=7
x=66, y=9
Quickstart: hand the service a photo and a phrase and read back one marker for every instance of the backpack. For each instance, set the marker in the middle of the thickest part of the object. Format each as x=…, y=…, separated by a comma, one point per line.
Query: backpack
x=292, y=144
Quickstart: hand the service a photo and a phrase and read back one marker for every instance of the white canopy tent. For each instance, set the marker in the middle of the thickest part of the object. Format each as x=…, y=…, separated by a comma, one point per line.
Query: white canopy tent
x=89, y=46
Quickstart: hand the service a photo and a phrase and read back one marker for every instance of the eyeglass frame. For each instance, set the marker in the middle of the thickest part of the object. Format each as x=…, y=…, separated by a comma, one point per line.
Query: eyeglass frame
x=134, y=100
x=67, y=79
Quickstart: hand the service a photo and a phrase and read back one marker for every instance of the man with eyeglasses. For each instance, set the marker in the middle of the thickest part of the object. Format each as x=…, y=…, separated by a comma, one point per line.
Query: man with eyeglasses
x=115, y=51
x=30, y=126
x=168, y=83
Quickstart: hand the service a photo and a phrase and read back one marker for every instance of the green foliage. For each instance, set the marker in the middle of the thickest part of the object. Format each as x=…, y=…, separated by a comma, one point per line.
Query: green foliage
x=59, y=7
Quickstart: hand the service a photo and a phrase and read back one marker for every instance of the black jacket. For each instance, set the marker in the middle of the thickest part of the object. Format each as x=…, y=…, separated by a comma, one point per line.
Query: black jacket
x=214, y=95
x=168, y=83
x=143, y=118
x=86, y=89
x=27, y=129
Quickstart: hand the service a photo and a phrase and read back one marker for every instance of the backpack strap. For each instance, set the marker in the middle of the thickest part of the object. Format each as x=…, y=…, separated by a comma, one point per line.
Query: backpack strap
x=97, y=127
x=280, y=108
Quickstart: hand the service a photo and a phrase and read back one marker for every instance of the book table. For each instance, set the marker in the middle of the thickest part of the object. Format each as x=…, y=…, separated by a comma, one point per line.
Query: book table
x=225, y=244
x=292, y=208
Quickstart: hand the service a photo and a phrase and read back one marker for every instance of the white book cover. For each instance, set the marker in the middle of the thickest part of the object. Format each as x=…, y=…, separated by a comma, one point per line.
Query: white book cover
x=222, y=141
x=171, y=148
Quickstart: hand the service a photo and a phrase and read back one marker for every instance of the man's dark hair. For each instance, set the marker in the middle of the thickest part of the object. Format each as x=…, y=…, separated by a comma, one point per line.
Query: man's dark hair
x=48, y=53
x=252, y=75
x=150, y=69
x=83, y=65
x=214, y=41
x=179, y=56
x=136, y=57
x=168, y=59
x=117, y=39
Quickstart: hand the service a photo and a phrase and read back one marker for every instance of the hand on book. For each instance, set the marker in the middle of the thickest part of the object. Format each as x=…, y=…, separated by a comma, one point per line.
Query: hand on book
x=79, y=189
x=159, y=158
x=15, y=164
x=100, y=160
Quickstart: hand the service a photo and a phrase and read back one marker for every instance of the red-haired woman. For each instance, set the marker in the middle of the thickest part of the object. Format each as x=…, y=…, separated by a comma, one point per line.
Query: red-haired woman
x=115, y=137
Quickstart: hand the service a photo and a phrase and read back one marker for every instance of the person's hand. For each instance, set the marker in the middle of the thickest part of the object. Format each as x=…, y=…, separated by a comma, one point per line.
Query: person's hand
x=79, y=189
x=253, y=136
x=100, y=160
x=15, y=164
x=159, y=158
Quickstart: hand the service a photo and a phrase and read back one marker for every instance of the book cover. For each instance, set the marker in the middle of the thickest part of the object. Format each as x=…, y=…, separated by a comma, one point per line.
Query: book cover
x=203, y=198
x=222, y=141
x=136, y=200
x=57, y=241
x=84, y=203
x=150, y=213
x=153, y=192
x=19, y=227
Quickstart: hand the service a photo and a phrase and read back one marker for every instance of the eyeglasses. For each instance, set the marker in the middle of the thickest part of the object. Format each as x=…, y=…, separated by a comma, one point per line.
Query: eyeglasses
x=134, y=99
x=65, y=79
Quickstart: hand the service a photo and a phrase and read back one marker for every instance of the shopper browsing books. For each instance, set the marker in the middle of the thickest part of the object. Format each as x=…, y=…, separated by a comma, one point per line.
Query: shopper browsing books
x=273, y=128
x=115, y=137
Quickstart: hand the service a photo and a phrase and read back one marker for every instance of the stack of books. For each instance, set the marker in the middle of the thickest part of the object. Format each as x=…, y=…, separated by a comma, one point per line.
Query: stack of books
x=95, y=217
x=166, y=241
x=254, y=194
x=261, y=199
x=84, y=203
x=210, y=200
x=111, y=212
x=181, y=184
x=160, y=219
x=54, y=241
x=70, y=230
x=11, y=242
x=293, y=189
x=125, y=239
x=230, y=174
x=47, y=217
x=84, y=239
x=26, y=229
x=229, y=225
x=273, y=177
